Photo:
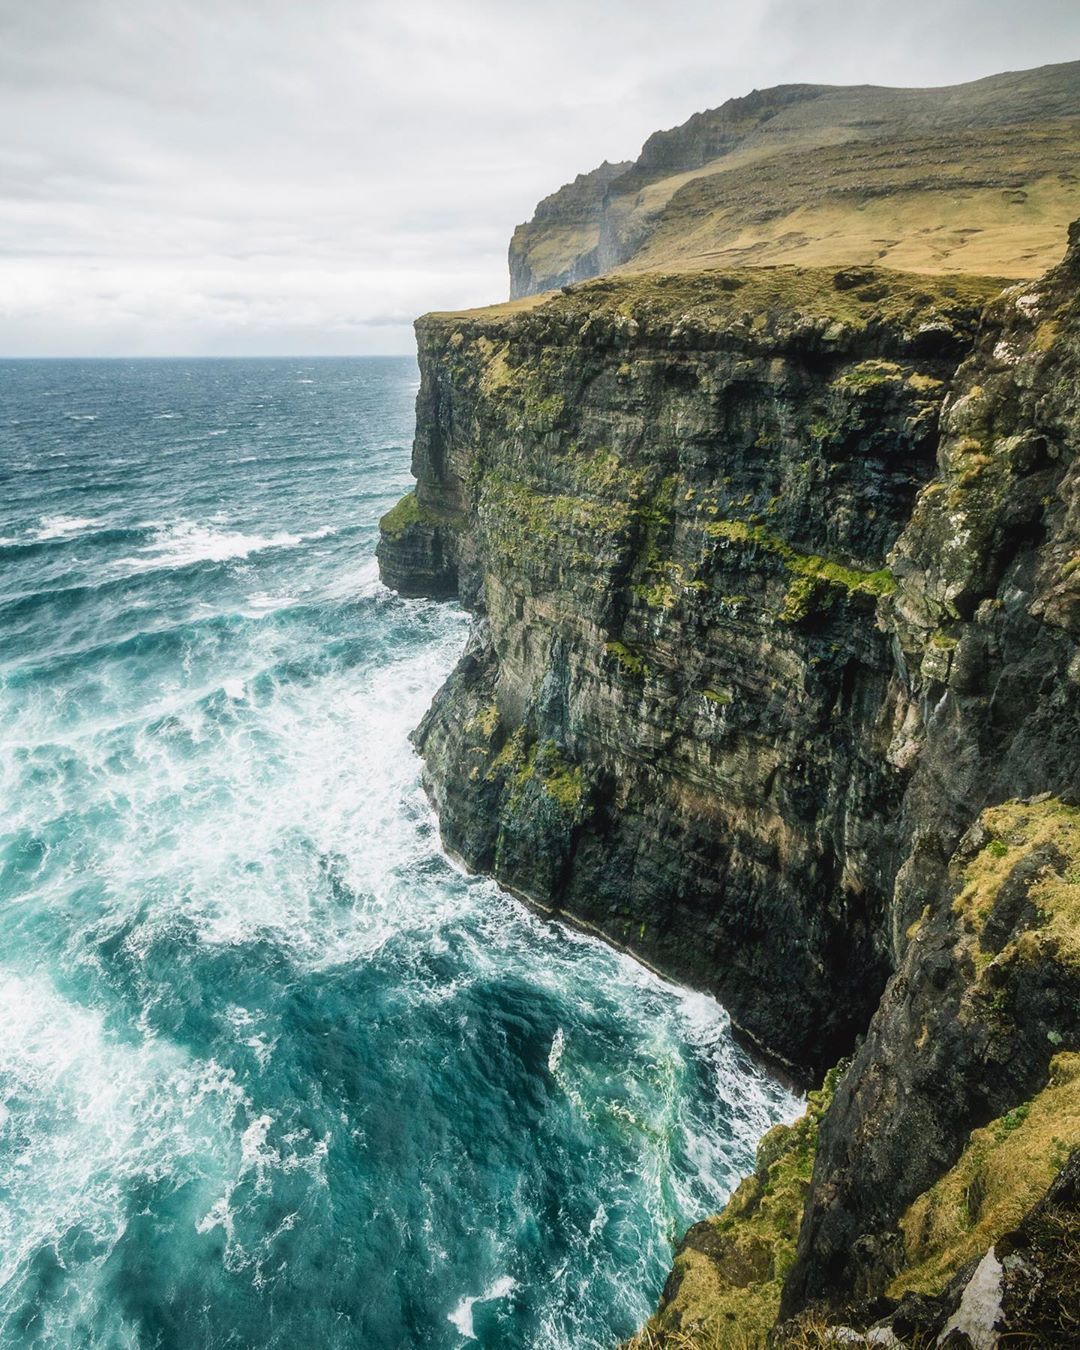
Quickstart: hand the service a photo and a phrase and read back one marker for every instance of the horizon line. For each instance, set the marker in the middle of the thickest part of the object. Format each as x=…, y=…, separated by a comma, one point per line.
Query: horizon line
x=221, y=356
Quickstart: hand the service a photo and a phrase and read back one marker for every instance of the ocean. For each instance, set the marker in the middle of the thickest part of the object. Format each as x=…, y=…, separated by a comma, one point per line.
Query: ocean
x=273, y=1071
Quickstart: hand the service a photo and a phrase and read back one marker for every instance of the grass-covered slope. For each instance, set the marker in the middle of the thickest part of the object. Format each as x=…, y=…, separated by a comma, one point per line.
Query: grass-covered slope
x=724, y=1289
x=1017, y=908
x=974, y=178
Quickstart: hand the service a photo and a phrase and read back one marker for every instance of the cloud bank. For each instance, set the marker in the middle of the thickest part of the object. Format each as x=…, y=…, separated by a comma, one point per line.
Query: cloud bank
x=255, y=176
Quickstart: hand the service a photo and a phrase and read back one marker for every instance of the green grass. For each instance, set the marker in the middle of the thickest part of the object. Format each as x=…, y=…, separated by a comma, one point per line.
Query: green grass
x=407, y=513
x=1016, y=828
x=1004, y=1169
x=989, y=200
x=732, y=1269
x=541, y=766
x=810, y=571
x=630, y=662
x=716, y=302
x=521, y=522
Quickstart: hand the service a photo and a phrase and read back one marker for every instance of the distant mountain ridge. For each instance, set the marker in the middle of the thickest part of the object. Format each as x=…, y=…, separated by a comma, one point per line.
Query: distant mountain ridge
x=978, y=177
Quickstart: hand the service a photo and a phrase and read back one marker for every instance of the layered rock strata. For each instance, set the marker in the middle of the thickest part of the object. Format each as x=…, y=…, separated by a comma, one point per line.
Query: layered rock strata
x=671, y=503
x=775, y=680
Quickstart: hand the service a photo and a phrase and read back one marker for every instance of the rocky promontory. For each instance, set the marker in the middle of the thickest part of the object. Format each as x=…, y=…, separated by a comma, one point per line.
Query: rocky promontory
x=774, y=680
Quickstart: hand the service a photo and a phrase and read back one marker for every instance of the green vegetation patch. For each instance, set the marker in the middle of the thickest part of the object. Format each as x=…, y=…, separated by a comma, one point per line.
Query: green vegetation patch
x=1016, y=829
x=630, y=662
x=407, y=513
x=542, y=414
x=560, y=781
x=801, y=600
x=600, y=472
x=671, y=584
x=752, y=302
x=1007, y=1166
x=543, y=767
x=1004, y=1170
x=868, y=375
x=483, y=723
x=522, y=522
x=731, y=1269
x=811, y=572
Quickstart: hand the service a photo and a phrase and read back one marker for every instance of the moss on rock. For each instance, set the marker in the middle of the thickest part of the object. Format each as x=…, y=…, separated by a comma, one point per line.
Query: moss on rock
x=1002, y=1172
x=406, y=513
x=725, y=1288
x=1047, y=831
x=630, y=662
x=811, y=572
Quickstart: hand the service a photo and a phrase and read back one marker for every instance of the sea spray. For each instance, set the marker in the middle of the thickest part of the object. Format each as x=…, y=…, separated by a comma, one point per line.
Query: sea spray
x=274, y=1072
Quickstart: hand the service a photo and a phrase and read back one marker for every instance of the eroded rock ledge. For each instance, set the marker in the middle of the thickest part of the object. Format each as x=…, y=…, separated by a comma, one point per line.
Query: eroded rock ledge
x=755, y=646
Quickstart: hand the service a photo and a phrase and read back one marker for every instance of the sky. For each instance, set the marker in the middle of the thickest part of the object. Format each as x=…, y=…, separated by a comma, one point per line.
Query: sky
x=304, y=177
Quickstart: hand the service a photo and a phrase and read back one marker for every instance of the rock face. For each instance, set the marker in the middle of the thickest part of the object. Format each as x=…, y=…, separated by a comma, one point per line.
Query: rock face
x=775, y=680
x=978, y=177
x=671, y=503
x=561, y=244
x=986, y=619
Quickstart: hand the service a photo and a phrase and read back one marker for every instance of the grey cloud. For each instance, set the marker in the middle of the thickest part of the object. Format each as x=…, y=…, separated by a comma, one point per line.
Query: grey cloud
x=257, y=175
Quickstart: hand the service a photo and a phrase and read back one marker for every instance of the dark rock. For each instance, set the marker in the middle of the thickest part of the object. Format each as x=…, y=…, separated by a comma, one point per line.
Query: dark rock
x=756, y=651
x=678, y=573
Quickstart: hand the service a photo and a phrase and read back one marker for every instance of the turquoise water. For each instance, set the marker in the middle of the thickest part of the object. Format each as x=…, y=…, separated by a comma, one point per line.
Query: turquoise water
x=272, y=1071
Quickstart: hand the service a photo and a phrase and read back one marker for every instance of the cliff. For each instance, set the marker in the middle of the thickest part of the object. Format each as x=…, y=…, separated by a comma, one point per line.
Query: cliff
x=672, y=500
x=977, y=178
x=775, y=681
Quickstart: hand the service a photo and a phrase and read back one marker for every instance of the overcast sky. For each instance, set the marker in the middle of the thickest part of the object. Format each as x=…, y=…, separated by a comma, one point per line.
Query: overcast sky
x=305, y=176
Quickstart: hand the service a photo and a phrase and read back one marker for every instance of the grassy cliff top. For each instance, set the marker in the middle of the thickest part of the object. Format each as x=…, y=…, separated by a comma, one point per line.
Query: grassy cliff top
x=979, y=178
x=741, y=301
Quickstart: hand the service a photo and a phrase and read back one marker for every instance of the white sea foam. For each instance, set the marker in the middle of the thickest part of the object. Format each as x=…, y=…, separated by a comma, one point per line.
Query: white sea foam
x=185, y=543
x=63, y=527
x=262, y=601
x=462, y=1316
x=295, y=821
x=92, y=1114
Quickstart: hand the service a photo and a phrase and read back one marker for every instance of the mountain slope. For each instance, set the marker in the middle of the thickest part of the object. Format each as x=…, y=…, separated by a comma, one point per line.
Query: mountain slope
x=977, y=178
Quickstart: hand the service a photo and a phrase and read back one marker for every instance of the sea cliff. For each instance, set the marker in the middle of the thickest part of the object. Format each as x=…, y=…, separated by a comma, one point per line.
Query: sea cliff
x=775, y=681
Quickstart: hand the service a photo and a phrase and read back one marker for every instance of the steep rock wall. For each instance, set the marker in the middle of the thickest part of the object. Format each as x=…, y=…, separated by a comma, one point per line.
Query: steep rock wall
x=964, y=1098
x=781, y=691
x=986, y=619
x=670, y=502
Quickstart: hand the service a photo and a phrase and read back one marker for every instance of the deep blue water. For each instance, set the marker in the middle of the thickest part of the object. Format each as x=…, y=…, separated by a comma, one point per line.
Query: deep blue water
x=272, y=1071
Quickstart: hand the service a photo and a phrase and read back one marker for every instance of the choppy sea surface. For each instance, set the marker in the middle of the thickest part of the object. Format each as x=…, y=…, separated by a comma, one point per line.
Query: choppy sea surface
x=272, y=1071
